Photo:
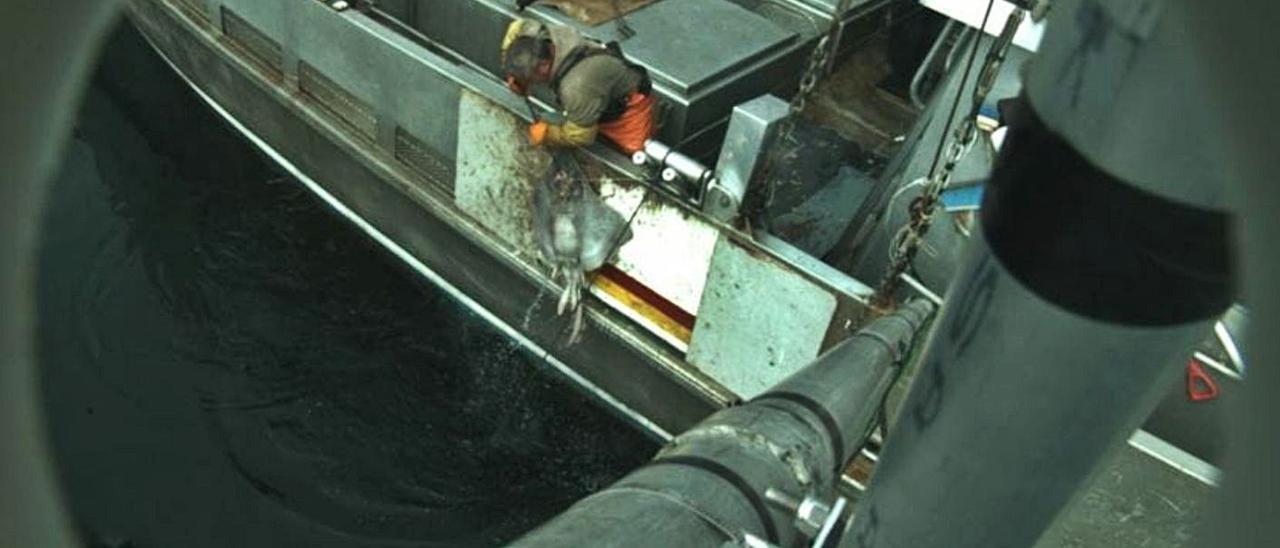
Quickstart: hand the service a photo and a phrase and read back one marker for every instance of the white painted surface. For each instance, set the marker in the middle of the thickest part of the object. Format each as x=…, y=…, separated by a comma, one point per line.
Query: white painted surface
x=1174, y=456
x=670, y=250
x=970, y=12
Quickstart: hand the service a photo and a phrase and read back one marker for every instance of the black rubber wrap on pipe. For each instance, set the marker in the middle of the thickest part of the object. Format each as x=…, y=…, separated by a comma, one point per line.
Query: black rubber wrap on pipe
x=1069, y=230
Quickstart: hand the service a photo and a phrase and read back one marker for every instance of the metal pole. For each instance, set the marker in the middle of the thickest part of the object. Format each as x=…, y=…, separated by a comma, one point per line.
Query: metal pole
x=712, y=484
x=1102, y=258
x=927, y=64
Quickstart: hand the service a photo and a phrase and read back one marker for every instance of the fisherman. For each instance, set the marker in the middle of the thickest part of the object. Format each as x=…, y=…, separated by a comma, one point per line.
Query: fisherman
x=599, y=91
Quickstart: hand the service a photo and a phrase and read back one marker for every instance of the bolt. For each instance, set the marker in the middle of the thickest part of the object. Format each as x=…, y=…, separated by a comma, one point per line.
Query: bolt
x=810, y=515
x=782, y=499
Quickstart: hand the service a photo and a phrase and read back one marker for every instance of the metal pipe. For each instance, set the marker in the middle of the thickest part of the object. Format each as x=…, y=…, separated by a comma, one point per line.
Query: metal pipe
x=961, y=44
x=1030, y=383
x=840, y=380
x=1073, y=306
x=711, y=484
x=918, y=78
x=1229, y=346
x=691, y=169
x=921, y=289
x=663, y=155
x=1217, y=365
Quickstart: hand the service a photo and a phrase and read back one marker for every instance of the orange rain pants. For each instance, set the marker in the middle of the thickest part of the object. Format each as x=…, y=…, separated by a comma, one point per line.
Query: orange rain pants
x=635, y=125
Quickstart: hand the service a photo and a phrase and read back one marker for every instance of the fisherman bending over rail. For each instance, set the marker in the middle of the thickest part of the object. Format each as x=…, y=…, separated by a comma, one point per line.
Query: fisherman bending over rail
x=598, y=90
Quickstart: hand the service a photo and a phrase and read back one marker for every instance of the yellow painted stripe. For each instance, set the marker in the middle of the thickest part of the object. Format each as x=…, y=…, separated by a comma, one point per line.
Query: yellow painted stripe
x=643, y=308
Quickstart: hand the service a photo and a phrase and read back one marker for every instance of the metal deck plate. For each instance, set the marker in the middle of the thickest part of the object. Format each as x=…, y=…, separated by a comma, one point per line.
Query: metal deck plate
x=1134, y=499
x=757, y=323
x=497, y=170
x=688, y=44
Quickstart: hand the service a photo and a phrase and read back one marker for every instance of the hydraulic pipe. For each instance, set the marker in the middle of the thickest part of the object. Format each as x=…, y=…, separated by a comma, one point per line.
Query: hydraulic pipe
x=1101, y=260
x=708, y=486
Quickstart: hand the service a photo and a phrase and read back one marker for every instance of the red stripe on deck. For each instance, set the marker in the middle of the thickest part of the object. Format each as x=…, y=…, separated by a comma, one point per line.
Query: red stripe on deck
x=641, y=291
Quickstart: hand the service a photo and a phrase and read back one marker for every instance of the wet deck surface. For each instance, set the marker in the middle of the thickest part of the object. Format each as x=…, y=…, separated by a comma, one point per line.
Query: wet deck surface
x=850, y=101
x=227, y=363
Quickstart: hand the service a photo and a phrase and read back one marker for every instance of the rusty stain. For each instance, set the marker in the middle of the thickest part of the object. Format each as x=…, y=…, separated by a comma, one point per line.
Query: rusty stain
x=754, y=251
x=860, y=469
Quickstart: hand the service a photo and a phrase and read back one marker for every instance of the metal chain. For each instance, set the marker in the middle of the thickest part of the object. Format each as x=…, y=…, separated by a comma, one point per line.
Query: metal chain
x=813, y=73
x=907, y=242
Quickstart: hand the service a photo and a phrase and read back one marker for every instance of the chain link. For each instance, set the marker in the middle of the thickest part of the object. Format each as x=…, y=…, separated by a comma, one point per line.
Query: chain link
x=783, y=139
x=907, y=242
x=816, y=68
x=812, y=73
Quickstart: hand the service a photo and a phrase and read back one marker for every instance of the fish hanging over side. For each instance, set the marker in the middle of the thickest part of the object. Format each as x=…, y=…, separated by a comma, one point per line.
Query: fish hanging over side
x=576, y=232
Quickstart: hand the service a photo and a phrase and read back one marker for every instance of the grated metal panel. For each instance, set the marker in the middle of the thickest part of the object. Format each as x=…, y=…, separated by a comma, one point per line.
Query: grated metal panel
x=415, y=154
x=261, y=47
x=337, y=101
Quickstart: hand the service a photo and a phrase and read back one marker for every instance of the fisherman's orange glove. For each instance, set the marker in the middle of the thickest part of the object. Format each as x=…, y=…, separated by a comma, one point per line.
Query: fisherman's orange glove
x=538, y=132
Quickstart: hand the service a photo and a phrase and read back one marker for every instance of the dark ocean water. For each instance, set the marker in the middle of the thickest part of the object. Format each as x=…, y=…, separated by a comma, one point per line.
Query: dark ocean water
x=227, y=363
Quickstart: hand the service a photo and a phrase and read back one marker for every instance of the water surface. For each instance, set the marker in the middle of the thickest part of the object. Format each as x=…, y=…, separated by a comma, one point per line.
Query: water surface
x=228, y=363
